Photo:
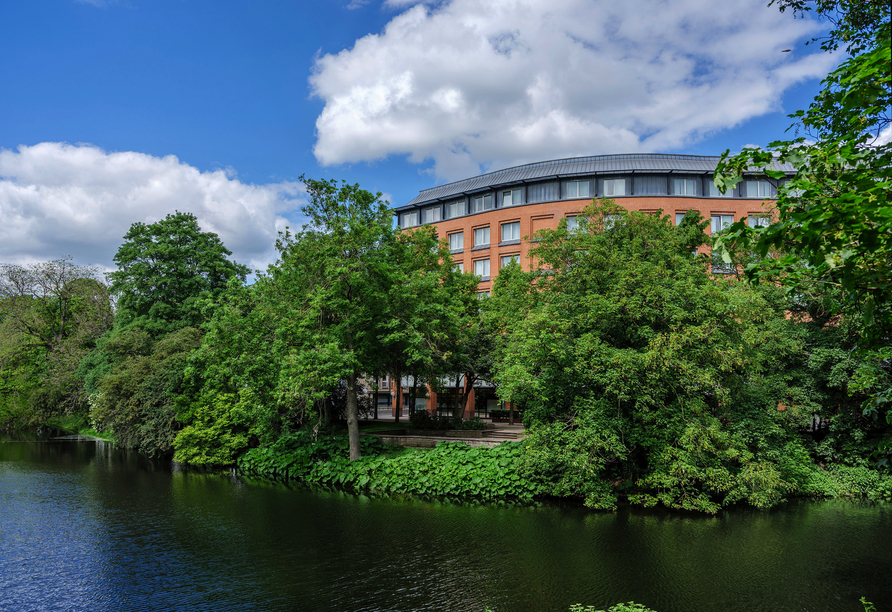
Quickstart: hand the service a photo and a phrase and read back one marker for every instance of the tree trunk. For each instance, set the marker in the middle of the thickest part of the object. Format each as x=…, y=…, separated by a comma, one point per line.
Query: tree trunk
x=469, y=386
x=457, y=412
x=397, y=385
x=352, y=417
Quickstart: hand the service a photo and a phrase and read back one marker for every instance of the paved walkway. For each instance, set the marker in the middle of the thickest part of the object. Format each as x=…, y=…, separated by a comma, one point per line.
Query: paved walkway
x=399, y=435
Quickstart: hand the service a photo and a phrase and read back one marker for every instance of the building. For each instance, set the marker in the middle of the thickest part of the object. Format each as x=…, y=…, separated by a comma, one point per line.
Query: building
x=487, y=220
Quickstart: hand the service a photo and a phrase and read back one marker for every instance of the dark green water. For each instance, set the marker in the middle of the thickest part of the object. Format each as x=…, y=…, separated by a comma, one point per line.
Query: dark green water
x=86, y=527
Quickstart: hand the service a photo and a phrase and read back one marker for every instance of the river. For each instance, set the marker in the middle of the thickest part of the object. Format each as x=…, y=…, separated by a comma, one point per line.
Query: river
x=85, y=526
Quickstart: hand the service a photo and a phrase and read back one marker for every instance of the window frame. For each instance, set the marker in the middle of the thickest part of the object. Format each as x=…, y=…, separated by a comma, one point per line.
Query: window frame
x=511, y=224
x=483, y=262
x=461, y=240
x=488, y=236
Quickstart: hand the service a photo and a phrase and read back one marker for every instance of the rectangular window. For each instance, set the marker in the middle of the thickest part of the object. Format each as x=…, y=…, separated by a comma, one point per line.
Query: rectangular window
x=614, y=187
x=432, y=214
x=459, y=267
x=572, y=224
x=679, y=216
x=482, y=203
x=714, y=192
x=481, y=236
x=482, y=294
x=611, y=221
x=507, y=260
x=719, y=266
x=759, y=189
x=481, y=268
x=511, y=197
x=409, y=219
x=576, y=189
x=511, y=231
x=758, y=221
x=685, y=186
x=720, y=222
x=456, y=208
x=456, y=241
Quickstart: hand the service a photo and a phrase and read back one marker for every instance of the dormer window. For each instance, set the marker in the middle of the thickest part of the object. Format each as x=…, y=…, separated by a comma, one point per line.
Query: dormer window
x=482, y=203
x=409, y=219
x=576, y=189
x=511, y=197
x=432, y=214
x=614, y=187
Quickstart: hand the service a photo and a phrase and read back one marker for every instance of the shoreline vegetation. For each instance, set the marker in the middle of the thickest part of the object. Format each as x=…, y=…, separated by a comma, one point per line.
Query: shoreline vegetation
x=639, y=373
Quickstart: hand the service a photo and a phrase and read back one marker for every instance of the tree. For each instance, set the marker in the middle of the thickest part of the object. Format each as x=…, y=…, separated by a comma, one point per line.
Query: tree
x=832, y=241
x=634, y=366
x=349, y=296
x=834, y=223
x=164, y=268
x=51, y=315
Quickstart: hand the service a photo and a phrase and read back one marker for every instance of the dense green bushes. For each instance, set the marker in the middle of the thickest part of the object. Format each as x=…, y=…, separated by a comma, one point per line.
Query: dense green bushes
x=451, y=468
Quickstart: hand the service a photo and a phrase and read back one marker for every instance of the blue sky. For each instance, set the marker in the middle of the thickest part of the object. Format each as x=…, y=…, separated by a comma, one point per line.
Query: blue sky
x=396, y=96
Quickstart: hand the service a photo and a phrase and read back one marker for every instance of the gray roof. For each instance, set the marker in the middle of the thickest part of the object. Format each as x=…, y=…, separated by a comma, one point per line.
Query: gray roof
x=575, y=166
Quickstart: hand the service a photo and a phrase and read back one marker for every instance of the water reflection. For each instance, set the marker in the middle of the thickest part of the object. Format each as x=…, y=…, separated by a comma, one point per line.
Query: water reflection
x=86, y=526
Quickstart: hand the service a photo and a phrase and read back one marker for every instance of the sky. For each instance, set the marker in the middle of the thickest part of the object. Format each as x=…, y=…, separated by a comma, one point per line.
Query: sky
x=121, y=111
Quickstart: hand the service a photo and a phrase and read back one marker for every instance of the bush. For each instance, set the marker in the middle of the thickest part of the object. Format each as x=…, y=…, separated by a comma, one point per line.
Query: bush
x=452, y=468
x=622, y=607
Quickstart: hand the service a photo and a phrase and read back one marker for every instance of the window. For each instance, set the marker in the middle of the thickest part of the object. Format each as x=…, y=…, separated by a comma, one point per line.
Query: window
x=719, y=266
x=754, y=221
x=611, y=221
x=684, y=186
x=720, y=222
x=572, y=224
x=481, y=236
x=432, y=214
x=483, y=202
x=715, y=193
x=409, y=219
x=679, y=216
x=456, y=241
x=459, y=267
x=456, y=208
x=614, y=187
x=511, y=197
x=758, y=189
x=507, y=260
x=481, y=268
x=511, y=231
x=482, y=294
x=576, y=189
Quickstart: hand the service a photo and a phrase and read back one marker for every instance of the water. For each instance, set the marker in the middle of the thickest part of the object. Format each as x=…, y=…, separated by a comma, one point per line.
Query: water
x=84, y=526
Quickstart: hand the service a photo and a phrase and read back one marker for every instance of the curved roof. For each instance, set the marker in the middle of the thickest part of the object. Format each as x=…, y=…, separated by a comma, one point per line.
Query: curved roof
x=628, y=163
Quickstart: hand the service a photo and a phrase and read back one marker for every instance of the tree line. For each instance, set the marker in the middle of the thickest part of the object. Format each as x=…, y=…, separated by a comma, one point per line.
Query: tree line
x=640, y=374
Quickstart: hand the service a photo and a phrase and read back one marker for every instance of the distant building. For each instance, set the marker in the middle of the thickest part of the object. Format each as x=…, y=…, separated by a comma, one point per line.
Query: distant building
x=485, y=219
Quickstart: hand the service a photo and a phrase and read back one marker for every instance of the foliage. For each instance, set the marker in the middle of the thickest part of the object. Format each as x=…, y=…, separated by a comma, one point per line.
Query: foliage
x=215, y=436
x=165, y=268
x=136, y=399
x=639, y=372
x=349, y=296
x=451, y=468
x=51, y=315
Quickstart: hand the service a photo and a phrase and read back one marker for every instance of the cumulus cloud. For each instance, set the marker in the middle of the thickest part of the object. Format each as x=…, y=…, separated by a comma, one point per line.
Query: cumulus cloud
x=58, y=199
x=472, y=86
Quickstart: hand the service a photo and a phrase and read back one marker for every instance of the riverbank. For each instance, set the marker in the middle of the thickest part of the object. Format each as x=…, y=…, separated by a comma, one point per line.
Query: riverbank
x=448, y=469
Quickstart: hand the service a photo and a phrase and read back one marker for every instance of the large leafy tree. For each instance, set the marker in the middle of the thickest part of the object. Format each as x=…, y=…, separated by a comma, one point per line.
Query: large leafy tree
x=634, y=366
x=350, y=296
x=832, y=240
x=51, y=315
x=165, y=268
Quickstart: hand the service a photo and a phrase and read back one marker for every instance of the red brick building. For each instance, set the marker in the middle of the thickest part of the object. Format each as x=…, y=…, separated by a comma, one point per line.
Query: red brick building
x=487, y=220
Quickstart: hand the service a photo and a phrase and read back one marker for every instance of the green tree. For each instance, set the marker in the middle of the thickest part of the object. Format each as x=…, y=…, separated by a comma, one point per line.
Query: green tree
x=51, y=315
x=832, y=240
x=637, y=369
x=350, y=296
x=164, y=268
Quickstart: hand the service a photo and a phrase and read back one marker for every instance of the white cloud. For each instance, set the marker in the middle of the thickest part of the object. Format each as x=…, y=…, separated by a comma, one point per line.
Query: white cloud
x=58, y=199
x=475, y=85
x=884, y=137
